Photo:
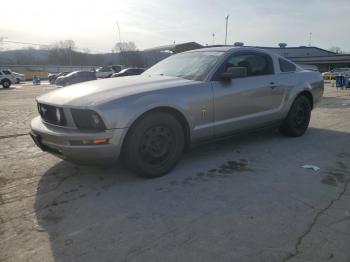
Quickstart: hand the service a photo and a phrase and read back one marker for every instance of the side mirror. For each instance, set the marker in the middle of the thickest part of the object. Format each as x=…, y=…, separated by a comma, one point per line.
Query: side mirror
x=234, y=72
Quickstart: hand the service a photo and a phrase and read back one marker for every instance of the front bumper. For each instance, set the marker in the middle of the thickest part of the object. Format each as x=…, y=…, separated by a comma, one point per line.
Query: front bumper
x=57, y=141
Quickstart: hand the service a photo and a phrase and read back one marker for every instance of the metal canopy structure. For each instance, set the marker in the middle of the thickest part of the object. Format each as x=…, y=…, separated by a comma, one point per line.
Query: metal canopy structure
x=175, y=48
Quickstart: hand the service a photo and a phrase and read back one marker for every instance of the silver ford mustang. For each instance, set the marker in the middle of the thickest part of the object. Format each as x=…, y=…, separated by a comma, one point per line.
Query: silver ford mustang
x=150, y=119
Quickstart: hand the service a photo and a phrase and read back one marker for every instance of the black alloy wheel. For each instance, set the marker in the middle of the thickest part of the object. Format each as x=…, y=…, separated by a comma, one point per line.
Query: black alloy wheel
x=154, y=144
x=298, y=118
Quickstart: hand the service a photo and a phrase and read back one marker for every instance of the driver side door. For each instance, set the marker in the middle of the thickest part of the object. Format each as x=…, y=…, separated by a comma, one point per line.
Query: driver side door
x=249, y=101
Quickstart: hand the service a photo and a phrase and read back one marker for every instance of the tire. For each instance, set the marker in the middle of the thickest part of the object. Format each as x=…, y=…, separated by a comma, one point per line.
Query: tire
x=154, y=145
x=6, y=83
x=298, y=119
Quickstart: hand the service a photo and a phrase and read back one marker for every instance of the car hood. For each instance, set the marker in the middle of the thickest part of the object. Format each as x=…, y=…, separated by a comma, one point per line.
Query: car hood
x=100, y=91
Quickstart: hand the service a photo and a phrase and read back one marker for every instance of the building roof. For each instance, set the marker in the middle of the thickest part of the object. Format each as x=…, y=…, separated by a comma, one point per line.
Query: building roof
x=289, y=52
x=299, y=48
x=300, y=51
x=331, y=59
x=175, y=48
x=300, y=54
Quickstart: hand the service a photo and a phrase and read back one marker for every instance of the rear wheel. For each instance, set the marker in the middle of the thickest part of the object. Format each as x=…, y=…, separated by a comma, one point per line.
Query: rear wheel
x=154, y=145
x=6, y=83
x=298, y=118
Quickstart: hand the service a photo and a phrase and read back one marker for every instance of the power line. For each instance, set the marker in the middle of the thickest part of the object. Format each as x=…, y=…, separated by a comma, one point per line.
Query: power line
x=24, y=43
x=48, y=45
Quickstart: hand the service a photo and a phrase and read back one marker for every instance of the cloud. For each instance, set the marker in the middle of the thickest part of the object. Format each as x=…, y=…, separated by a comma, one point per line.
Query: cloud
x=159, y=22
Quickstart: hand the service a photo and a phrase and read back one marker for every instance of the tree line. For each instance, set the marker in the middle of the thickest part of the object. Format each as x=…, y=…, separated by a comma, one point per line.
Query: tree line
x=67, y=53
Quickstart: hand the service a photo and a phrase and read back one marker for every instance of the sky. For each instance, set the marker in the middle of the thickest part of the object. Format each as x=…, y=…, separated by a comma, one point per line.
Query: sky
x=150, y=23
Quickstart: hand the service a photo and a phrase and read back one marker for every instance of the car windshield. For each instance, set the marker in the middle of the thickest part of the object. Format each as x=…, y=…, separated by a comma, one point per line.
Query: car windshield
x=192, y=65
x=73, y=73
x=124, y=70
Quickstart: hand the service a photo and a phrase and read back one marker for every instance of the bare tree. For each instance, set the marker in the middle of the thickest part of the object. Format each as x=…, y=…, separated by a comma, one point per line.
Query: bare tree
x=336, y=49
x=65, y=44
x=61, y=52
x=125, y=47
x=86, y=50
x=2, y=42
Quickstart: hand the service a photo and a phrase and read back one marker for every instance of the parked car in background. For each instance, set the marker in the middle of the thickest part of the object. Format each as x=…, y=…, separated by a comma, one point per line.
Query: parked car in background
x=336, y=72
x=108, y=71
x=117, y=68
x=19, y=77
x=53, y=77
x=104, y=72
x=6, y=78
x=187, y=98
x=75, y=77
x=129, y=72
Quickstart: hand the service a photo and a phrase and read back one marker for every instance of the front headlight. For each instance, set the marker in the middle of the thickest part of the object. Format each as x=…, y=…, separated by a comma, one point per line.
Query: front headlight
x=87, y=119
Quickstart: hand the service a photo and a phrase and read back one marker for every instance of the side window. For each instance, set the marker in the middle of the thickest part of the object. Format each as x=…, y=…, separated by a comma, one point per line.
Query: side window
x=286, y=66
x=87, y=74
x=6, y=72
x=0, y=73
x=105, y=69
x=256, y=64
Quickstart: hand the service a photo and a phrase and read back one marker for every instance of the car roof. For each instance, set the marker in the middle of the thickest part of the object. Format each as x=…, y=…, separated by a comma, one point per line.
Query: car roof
x=215, y=48
x=232, y=48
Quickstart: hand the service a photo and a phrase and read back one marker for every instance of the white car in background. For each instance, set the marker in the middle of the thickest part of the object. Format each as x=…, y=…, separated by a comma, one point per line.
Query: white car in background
x=108, y=71
x=104, y=72
x=19, y=77
x=6, y=78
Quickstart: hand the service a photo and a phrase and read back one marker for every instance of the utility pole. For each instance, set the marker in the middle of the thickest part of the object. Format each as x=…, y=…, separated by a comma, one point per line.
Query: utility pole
x=120, y=39
x=213, y=35
x=226, y=18
x=70, y=55
x=120, y=46
x=310, y=36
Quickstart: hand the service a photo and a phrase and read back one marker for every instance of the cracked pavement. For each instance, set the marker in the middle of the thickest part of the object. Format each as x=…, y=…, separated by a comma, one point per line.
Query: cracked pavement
x=242, y=199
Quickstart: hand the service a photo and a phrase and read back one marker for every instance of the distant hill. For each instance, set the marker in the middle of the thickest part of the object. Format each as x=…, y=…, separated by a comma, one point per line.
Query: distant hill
x=65, y=57
x=24, y=56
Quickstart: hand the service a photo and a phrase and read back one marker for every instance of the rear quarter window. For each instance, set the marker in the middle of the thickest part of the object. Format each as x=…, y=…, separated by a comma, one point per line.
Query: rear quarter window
x=286, y=66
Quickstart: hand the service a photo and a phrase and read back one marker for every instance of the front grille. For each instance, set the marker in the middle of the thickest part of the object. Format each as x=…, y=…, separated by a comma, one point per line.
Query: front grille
x=52, y=114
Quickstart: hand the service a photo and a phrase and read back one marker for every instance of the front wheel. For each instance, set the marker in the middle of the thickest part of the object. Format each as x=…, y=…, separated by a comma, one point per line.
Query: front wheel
x=298, y=118
x=154, y=145
x=6, y=84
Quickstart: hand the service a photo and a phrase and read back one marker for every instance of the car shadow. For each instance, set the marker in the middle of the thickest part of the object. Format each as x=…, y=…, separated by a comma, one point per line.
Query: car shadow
x=96, y=213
